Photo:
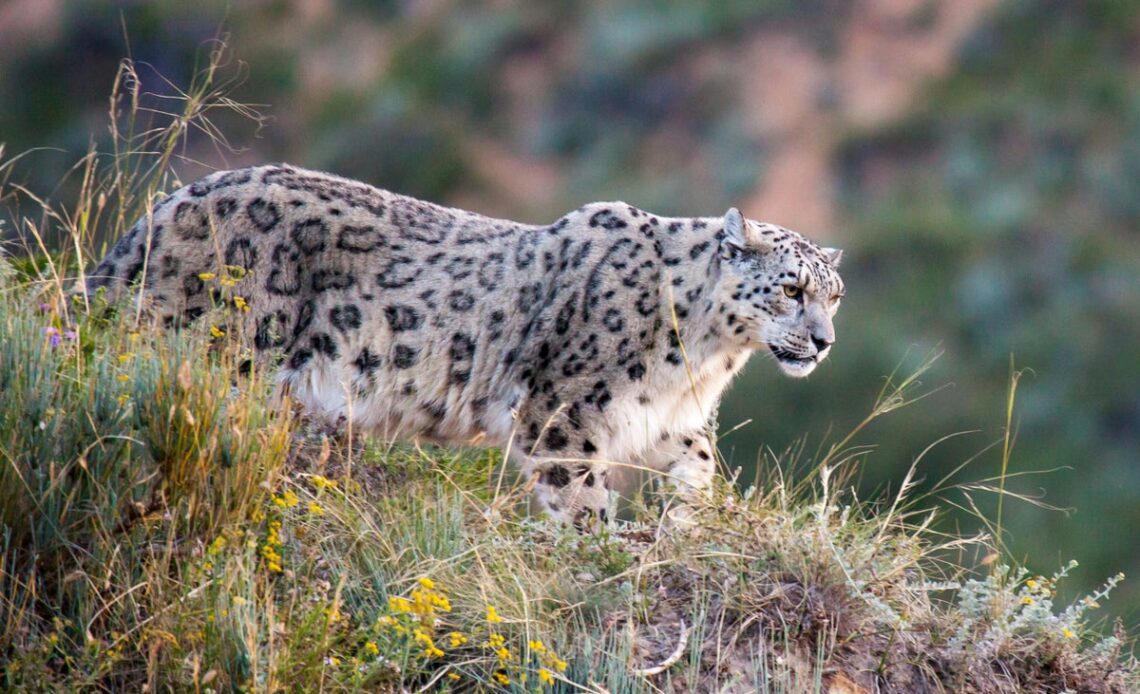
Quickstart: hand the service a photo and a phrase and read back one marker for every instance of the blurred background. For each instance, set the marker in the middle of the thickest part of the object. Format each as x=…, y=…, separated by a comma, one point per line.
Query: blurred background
x=979, y=160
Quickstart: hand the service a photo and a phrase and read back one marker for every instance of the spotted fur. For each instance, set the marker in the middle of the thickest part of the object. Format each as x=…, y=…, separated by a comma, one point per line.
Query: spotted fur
x=604, y=338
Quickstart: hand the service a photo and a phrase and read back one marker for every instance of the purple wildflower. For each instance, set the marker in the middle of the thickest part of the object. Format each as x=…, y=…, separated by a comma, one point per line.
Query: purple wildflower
x=54, y=337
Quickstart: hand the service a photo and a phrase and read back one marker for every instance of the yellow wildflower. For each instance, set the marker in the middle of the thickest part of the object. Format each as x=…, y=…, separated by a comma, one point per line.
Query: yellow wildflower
x=545, y=677
x=501, y=678
x=433, y=652
x=422, y=636
x=536, y=646
x=495, y=640
x=454, y=677
x=125, y=357
x=399, y=604
x=287, y=499
x=332, y=661
x=1027, y=600
x=227, y=282
x=269, y=549
x=1031, y=584
x=559, y=664
x=457, y=639
x=503, y=653
x=123, y=378
x=315, y=509
x=493, y=615
x=215, y=331
x=206, y=275
x=322, y=482
x=1067, y=633
x=427, y=583
x=241, y=304
x=371, y=648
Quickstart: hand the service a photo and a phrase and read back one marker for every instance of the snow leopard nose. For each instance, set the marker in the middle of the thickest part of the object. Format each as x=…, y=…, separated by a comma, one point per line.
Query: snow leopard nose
x=820, y=343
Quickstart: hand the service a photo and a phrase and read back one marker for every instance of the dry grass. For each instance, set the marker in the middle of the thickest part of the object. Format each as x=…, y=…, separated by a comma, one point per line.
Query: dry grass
x=166, y=524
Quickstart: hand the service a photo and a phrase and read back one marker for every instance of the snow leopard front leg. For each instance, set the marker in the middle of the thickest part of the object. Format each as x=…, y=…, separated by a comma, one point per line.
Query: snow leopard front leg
x=687, y=468
x=574, y=490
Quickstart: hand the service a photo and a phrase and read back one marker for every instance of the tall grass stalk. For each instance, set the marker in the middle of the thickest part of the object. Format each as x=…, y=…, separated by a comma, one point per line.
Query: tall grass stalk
x=1006, y=448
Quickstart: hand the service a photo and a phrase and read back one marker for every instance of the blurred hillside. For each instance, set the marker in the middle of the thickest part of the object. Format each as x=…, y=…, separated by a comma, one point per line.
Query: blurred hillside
x=979, y=161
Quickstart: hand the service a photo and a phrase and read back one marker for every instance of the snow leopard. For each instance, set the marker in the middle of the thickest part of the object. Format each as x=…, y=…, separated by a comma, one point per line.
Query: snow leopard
x=605, y=338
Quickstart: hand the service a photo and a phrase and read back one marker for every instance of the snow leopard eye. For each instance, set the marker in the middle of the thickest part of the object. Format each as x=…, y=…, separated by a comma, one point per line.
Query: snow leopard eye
x=792, y=292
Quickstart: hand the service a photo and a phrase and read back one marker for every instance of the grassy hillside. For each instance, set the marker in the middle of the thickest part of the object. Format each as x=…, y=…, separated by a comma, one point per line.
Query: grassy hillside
x=166, y=522
x=157, y=534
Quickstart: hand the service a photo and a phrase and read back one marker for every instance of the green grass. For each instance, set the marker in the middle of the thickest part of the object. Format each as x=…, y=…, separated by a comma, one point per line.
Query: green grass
x=168, y=523
x=156, y=534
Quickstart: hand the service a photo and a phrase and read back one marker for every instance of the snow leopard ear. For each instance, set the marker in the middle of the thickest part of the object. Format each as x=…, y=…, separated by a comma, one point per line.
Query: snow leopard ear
x=740, y=234
x=833, y=255
x=735, y=228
